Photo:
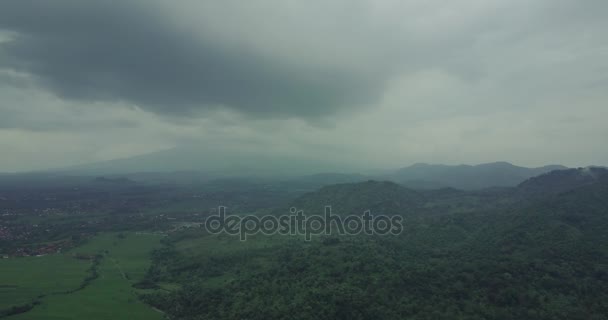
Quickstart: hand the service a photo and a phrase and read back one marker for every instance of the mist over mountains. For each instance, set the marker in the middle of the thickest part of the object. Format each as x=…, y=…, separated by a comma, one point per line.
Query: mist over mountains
x=454, y=142
x=213, y=165
x=217, y=162
x=496, y=174
x=186, y=165
x=391, y=198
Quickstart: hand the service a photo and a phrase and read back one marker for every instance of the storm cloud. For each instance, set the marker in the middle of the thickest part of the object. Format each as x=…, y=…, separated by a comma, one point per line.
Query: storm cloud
x=366, y=83
x=129, y=51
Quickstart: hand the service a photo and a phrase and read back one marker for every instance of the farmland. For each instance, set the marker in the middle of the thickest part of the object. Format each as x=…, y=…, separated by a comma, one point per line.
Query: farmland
x=23, y=280
x=109, y=295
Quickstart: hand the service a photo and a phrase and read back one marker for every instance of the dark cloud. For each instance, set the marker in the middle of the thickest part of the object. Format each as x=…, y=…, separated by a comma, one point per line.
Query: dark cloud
x=463, y=81
x=127, y=51
x=24, y=121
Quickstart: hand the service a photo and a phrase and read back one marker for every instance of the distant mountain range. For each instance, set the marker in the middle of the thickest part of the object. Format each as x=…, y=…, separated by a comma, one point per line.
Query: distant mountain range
x=214, y=162
x=193, y=165
x=466, y=177
x=391, y=198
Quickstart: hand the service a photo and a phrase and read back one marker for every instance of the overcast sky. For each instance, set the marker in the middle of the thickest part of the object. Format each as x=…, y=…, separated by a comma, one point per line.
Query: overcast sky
x=375, y=83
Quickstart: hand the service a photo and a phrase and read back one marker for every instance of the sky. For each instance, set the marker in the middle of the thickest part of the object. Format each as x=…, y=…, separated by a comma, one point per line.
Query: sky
x=377, y=84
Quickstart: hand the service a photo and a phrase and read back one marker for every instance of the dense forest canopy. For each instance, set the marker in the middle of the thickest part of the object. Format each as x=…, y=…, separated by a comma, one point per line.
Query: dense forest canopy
x=536, y=258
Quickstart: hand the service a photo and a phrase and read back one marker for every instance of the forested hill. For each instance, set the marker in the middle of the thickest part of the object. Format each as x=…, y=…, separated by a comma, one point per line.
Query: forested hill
x=354, y=198
x=385, y=197
x=559, y=181
x=467, y=177
x=546, y=258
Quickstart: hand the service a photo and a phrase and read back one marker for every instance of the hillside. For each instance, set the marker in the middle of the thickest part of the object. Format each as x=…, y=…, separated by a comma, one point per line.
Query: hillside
x=381, y=197
x=545, y=259
x=559, y=181
x=467, y=177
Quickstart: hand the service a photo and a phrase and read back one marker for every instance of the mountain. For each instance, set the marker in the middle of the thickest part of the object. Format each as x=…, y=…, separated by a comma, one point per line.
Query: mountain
x=467, y=177
x=560, y=181
x=212, y=162
x=386, y=197
x=215, y=162
x=204, y=164
x=566, y=217
x=333, y=178
x=316, y=181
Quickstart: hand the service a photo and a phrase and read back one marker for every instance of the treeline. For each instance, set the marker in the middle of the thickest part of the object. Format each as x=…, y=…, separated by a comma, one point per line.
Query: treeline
x=93, y=274
x=14, y=310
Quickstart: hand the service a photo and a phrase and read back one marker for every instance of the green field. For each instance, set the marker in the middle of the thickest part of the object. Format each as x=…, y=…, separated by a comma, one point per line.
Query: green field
x=110, y=296
x=22, y=280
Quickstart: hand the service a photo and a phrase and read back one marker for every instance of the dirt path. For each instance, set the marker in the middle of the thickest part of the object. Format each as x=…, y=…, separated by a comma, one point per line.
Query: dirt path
x=117, y=265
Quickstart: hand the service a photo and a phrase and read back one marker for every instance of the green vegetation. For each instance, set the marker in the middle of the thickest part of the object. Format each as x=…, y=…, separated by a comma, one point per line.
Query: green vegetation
x=366, y=277
x=23, y=280
x=540, y=260
x=538, y=251
x=124, y=259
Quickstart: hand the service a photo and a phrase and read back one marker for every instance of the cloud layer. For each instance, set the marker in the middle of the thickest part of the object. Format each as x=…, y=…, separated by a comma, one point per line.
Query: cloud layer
x=129, y=51
x=365, y=83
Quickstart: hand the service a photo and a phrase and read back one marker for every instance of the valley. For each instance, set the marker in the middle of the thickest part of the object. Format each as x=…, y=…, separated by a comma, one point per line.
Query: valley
x=536, y=250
